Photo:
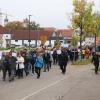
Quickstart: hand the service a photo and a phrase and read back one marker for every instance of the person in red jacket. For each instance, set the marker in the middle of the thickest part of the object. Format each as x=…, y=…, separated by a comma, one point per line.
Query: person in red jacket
x=87, y=53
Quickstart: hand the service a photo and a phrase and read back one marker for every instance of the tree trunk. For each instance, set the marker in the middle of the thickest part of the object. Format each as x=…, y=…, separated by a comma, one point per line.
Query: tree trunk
x=74, y=54
x=81, y=32
x=95, y=43
x=81, y=45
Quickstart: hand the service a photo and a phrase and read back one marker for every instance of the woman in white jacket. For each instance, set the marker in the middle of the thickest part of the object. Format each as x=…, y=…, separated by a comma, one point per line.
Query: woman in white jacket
x=20, y=65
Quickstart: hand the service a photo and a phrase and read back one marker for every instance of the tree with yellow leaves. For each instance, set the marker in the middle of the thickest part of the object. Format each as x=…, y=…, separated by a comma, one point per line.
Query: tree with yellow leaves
x=81, y=17
x=15, y=25
x=43, y=39
x=95, y=26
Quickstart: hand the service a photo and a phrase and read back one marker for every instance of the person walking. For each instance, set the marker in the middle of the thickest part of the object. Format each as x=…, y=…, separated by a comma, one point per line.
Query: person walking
x=20, y=65
x=12, y=61
x=33, y=59
x=38, y=64
x=83, y=53
x=51, y=59
x=24, y=54
x=63, y=59
x=55, y=57
x=87, y=53
x=95, y=60
x=6, y=66
x=46, y=59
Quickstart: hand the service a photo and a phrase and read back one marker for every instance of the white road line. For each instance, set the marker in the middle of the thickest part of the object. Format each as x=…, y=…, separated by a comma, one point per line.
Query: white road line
x=44, y=88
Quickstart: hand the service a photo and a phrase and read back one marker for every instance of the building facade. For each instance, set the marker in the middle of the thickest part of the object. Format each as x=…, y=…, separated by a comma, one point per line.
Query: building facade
x=35, y=37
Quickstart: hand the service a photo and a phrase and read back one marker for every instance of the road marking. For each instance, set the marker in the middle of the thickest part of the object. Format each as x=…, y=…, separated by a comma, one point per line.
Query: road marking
x=44, y=88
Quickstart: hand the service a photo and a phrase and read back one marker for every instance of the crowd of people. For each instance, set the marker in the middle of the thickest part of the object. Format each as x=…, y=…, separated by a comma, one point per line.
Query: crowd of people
x=15, y=64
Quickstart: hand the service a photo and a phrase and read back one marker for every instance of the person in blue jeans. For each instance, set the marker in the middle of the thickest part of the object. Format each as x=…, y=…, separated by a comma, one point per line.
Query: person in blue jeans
x=38, y=64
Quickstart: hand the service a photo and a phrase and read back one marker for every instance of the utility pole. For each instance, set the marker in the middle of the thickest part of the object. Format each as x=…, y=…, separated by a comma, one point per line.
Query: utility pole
x=29, y=30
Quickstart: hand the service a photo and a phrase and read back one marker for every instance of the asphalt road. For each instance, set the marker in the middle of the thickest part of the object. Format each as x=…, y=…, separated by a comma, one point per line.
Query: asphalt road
x=79, y=83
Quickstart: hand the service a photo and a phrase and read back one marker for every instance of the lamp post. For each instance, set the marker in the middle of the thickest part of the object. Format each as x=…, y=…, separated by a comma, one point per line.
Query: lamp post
x=29, y=30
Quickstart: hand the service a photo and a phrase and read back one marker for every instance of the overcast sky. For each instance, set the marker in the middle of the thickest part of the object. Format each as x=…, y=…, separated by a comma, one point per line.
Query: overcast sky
x=48, y=13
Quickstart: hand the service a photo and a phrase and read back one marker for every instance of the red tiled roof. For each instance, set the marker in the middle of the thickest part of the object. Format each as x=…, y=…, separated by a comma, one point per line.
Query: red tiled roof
x=34, y=34
x=37, y=34
x=49, y=28
x=3, y=30
x=66, y=32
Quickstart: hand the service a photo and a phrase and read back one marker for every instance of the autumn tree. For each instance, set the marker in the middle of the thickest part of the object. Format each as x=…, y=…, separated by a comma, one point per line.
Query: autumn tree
x=95, y=26
x=92, y=23
x=97, y=19
x=74, y=41
x=82, y=8
x=19, y=25
x=33, y=26
x=15, y=25
x=43, y=39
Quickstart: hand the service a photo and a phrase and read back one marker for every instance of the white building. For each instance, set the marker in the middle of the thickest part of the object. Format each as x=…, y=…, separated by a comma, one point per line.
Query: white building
x=22, y=37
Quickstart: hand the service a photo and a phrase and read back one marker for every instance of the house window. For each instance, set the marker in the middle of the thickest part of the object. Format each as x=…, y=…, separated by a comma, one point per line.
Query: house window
x=16, y=40
x=61, y=41
x=29, y=40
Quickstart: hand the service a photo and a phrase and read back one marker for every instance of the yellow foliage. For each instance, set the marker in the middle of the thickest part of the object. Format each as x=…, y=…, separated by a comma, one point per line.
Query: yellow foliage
x=43, y=39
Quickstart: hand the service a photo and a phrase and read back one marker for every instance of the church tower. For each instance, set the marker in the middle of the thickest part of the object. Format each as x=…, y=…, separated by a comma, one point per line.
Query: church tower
x=6, y=21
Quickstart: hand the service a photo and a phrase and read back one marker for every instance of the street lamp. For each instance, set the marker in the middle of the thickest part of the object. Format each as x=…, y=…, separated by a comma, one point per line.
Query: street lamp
x=29, y=30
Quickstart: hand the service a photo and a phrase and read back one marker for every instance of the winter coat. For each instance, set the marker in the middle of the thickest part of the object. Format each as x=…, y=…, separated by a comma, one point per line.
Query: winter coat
x=95, y=60
x=20, y=63
x=39, y=62
x=63, y=58
x=54, y=54
x=5, y=62
x=12, y=61
x=46, y=57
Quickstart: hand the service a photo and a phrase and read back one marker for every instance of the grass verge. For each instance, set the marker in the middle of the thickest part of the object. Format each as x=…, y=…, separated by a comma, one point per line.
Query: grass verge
x=82, y=62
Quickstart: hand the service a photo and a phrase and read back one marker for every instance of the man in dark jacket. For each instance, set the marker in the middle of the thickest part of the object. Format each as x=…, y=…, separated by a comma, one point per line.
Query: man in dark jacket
x=55, y=57
x=46, y=59
x=95, y=60
x=6, y=66
x=63, y=59
x=12, y=62
x=33, y=59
